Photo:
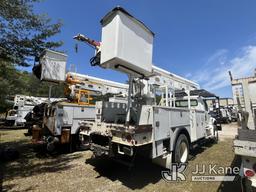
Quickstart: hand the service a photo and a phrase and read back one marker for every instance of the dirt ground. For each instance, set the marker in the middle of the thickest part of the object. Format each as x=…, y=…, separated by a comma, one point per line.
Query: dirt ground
x=37, y=171
x=229, y=131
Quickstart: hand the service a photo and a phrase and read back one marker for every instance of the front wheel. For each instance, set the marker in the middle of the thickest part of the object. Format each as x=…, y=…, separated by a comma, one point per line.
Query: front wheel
x=215, y=137
x=181, y=151
x=227, y=121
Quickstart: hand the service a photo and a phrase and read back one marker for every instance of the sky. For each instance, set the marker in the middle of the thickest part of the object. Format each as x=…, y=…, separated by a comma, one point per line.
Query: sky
x=199, y=40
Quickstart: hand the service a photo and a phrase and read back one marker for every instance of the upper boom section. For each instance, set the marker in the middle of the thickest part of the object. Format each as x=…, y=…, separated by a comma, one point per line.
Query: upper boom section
x=91, y=83
x=126, y=46
x=22, y=100
x=177, y=81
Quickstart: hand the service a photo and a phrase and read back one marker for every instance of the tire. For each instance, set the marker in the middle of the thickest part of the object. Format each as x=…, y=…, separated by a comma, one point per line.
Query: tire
x=84, y=144
x=50, y=147
x=74, y=144
x=181, y=151
x=216, y=135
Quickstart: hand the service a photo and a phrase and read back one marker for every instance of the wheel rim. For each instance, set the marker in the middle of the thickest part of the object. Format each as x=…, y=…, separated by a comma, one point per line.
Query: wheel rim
x=183, y=152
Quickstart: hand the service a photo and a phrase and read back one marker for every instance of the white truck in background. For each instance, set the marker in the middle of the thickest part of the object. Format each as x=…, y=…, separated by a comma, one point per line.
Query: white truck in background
x=225, y=115
x=23, y=104
x=244, y=95
x=61, y=118
x=154, y=122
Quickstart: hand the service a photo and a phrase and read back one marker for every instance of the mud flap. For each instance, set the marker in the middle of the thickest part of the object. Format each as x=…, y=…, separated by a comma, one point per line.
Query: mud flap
x=36, y=133
x=65, y=136
x=164, y=160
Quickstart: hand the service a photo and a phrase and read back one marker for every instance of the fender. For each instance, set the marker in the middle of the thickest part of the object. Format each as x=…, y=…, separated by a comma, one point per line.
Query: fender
x=176, y=132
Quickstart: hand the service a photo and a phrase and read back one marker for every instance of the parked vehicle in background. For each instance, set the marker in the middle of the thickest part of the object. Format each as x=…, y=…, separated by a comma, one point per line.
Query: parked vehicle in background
x=22, y=106
x=233, y=112
x=11, y=117
x=227, y=111
x=225, y=115
x=213, y=104
x=3, y=117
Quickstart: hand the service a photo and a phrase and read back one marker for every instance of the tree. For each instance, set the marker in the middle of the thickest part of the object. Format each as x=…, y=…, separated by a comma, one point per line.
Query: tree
x=13, y=81
x=23, y=33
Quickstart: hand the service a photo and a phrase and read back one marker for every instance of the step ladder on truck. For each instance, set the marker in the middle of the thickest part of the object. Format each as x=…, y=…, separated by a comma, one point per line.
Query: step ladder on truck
x=154, y=123
x=244, y=95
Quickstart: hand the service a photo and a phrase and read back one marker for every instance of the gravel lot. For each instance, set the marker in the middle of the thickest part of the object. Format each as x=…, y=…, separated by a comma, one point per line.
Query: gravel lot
x=37, y=171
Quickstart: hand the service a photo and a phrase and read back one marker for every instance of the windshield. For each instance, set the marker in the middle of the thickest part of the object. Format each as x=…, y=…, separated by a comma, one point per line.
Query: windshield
x=12, y=113
x=184, y=103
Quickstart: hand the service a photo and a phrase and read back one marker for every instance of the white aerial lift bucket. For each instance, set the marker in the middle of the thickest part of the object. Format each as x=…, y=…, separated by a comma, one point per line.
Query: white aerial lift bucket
x=127, y=44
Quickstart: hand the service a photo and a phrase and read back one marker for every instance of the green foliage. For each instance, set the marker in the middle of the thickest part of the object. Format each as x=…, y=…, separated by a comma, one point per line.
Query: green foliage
x=23, y=33
x=23, y=36
x=13, y=81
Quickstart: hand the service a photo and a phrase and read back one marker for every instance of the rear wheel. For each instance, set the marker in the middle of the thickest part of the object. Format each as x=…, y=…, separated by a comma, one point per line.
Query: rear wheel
x=50, y=147
x=73, y=144
x=181, y=151
x=84, y=142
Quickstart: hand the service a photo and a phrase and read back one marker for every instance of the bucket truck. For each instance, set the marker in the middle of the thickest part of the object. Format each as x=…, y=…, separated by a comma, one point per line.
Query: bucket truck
x=23, y=105
x=154, y=122
x=60, y=119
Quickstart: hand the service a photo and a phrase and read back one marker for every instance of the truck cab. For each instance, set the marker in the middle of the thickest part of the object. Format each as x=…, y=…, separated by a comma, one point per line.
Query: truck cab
x=11, y=117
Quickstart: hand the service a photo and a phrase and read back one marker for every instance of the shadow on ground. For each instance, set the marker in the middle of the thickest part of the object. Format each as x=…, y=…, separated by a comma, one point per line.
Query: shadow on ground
x=31, y=162
x=143, y=172
x=200, y=149
x=234, y=186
